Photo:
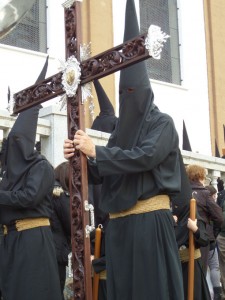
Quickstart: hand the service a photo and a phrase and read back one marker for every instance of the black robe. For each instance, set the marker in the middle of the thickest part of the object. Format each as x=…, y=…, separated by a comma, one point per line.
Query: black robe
x=201, y=290
x=141, y=250
x=61, y=229
x=28, y=268
x=101, y=219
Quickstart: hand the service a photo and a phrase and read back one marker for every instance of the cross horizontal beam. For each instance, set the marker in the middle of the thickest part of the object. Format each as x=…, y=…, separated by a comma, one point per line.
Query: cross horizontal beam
x=96, y=67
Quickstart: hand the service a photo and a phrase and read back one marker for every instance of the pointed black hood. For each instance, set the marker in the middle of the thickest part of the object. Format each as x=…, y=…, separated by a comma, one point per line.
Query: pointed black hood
x=180, y=205
x=20, y=154
x=217, y=153
x=106, y=120
x=105, y=105
x=186, y=142
x=42, y=75
x=135, y=105
x=136, y=96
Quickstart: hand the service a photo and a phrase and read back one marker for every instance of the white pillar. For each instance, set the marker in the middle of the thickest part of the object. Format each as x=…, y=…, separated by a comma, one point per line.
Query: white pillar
x=52, y=146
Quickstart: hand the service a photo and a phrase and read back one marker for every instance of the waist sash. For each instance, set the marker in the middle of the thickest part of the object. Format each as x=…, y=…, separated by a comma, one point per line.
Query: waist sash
x=102, y=275
x=184, y=254
x=143, y=206
x=20, y=225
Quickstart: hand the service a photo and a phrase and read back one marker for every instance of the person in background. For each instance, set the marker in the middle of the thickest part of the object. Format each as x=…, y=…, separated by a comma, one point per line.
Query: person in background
x=208, y=210
x=60, y=220
x=3, y=145
x=213, y=261
x=198, y=227
x=105, y=122
x=221, y=192
x=201, y=290
x=221, y=252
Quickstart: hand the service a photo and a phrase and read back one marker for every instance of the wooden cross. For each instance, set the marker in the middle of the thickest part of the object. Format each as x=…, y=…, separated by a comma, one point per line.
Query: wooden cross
x=101, y=65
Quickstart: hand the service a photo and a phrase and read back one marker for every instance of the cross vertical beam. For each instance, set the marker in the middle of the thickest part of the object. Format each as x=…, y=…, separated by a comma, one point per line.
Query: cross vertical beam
x=82, y=284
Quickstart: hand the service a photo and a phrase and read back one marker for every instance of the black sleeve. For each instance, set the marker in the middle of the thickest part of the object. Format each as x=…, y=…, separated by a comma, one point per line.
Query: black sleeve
x=93, y=174
x=215, y=212
x=151, y=152
x=201, y=236
x=62, y=208
x=99, y=264
x=38, y=182
x=221, y=198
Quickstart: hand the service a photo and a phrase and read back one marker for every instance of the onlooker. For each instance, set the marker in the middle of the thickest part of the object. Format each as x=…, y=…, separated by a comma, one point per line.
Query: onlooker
x=207, y=208
x=60, y=220
x=221, y=252
x=221, y=192
x=213, y=261
x=201, y=290
x=182, y=228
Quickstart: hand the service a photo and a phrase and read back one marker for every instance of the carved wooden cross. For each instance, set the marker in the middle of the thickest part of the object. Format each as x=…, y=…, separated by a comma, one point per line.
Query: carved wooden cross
x=101, y=65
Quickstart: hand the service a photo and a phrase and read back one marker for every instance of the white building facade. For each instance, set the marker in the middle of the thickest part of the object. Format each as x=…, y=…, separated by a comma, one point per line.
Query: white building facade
x=186, y=101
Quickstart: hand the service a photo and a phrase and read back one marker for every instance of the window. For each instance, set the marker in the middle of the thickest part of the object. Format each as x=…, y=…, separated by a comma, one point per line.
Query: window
x=31, y=32
x=163, y=13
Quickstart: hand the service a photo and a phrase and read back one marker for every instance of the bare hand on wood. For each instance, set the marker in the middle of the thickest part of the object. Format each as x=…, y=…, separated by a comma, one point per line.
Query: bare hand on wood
x=84, y=143
x=68, y=148
x=192, y=225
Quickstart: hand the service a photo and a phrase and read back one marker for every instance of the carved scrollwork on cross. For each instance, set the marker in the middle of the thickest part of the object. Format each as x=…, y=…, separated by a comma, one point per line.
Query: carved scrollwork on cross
x=76, y=218
x=70, y=31
x=77, y=233
x=111, y=61
x=38, y=93
x=98, y=66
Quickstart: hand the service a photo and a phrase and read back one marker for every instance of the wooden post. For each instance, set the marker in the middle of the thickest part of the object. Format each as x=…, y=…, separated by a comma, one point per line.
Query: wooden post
x=191, y=266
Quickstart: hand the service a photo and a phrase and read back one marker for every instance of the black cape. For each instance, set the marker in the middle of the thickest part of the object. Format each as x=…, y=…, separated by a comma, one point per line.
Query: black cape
x=140, y=248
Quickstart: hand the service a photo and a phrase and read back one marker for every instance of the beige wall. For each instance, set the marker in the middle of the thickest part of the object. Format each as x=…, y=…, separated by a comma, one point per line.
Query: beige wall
x=98, y=29
x=215, y=40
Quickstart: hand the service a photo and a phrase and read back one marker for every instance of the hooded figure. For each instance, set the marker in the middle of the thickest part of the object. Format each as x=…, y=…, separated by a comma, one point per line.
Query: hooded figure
x=179, y=207
x=106, y=122
x=60, y=220
x=27, y=256
x=141, y=170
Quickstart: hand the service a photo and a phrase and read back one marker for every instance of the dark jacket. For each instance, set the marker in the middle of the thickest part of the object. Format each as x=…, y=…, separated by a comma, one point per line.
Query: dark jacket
x=222, y=232
x=60, y=223
x=208, y=210
x=221, y=198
